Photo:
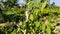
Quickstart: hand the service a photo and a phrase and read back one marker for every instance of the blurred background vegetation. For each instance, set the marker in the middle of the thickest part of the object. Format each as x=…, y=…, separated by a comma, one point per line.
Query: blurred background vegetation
x=31, y=17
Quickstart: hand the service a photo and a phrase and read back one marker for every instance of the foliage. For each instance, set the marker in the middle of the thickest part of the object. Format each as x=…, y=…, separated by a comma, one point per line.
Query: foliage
x=43, y=18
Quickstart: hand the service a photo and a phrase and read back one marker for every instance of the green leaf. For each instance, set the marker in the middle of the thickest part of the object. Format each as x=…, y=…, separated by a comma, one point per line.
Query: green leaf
x=36, y=11
x=43, y=27
x=9, y=12
x=37, y=24
x=23, y=25
x=31, y=17
x=48, y=30
x=52, y=24
x=37, y=3
x=29, y=5
x=43, y=5
x=14, y=32
x=12, y=1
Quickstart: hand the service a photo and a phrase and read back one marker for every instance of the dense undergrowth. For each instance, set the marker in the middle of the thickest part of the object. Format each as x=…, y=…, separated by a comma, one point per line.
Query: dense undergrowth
x=43, y=19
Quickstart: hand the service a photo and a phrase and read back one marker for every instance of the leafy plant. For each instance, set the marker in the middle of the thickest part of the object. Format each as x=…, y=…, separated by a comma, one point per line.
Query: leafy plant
x=43, y=18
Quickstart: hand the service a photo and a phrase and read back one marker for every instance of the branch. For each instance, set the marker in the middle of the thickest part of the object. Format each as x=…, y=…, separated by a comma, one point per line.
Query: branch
x=8, y=24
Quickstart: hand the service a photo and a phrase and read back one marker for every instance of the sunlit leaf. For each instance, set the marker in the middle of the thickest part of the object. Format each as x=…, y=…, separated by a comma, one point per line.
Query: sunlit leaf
x=31, y=17
x=43, y=5
x=48, y=30
x=43, y=27
x=9, y=12
x=37, y=24
x=14, y=32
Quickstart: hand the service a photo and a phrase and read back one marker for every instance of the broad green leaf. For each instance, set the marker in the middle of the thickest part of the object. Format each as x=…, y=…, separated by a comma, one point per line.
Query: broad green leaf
x=37, y=24
x=48, y=30
x=23, y=25
x=18, y=29
x=14, y=32
x=43, y=27
x=31, y=17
